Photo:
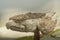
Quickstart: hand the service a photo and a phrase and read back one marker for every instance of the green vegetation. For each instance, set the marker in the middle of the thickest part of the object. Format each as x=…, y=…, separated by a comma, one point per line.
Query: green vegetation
x=32, y=38
x=26, y=38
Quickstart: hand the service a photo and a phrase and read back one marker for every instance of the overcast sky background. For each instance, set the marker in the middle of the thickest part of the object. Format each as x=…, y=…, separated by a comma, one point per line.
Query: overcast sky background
x=12, y=7
x=9, y=8
x=23, y=4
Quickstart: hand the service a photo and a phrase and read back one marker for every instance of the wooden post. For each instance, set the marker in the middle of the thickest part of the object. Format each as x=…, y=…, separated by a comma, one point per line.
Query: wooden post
x=36, y=34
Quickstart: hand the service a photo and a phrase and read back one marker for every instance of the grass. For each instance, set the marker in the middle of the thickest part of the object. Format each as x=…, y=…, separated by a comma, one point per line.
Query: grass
x=32, y=38
x=26, y=38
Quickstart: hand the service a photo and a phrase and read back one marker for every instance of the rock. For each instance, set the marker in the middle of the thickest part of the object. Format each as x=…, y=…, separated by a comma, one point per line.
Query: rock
x=30, y=21
x=29, y=15
x=50, y=38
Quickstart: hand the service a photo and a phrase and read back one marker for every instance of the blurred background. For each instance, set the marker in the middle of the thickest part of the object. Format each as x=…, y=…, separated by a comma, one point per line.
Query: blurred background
x=9, y=8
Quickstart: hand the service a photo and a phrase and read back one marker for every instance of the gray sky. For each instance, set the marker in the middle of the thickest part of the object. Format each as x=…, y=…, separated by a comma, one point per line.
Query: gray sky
x=12, y=7
x=24, y=4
